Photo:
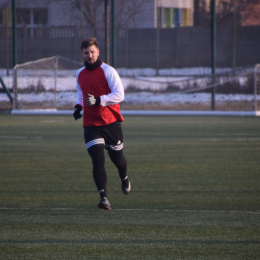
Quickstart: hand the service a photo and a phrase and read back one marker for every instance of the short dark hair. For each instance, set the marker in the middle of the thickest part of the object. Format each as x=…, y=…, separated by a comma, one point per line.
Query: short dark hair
x=89, y=42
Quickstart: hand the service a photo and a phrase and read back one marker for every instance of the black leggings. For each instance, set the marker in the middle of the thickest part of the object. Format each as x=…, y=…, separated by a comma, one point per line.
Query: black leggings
x=96, y=152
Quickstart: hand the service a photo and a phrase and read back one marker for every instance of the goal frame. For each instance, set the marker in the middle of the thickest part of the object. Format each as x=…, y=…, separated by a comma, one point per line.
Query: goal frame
x=55, y=63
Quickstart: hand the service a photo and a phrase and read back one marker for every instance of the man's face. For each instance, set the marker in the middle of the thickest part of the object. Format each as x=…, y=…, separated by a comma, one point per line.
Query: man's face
x=90, y=54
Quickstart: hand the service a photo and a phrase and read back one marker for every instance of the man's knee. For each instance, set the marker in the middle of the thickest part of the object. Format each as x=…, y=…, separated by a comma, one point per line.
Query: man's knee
x=96, y=153
x=117, y=157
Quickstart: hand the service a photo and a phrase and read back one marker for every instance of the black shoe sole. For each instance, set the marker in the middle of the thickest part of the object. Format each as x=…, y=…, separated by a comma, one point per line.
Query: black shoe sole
x=104, y=206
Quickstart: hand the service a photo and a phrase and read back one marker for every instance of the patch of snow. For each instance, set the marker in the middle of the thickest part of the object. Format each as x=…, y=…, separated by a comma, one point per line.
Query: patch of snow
x=191, y=71
x=140, y=98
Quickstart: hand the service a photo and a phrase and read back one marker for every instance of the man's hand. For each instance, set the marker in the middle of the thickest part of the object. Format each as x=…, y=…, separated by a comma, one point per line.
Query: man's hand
x=92, y=101
x=76, y=113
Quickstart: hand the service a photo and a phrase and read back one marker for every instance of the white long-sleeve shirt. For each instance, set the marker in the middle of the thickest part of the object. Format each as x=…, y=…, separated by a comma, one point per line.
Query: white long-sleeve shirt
x=103, y=82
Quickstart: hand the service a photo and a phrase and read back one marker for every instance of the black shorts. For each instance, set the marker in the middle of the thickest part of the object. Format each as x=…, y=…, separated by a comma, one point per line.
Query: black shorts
x=111, y=136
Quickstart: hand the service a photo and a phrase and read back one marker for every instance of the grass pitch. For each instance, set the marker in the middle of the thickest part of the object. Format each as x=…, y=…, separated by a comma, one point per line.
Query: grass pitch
x=195, y=190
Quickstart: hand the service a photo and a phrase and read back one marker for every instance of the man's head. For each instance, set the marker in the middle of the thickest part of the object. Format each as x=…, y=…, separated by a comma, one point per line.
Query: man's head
x=89, y=50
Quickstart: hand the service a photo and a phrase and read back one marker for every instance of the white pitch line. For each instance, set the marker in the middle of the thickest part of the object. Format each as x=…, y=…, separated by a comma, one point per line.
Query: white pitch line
x=157, y=210
x=19, y=137
x=13, y=137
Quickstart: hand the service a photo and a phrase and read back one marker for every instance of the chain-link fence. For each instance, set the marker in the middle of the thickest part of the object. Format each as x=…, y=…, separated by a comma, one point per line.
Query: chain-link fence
x=182, y=47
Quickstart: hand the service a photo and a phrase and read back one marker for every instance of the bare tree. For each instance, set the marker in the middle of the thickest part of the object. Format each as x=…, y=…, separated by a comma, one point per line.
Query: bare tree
x=247, y=9
x=128, y=11
x=240, y=10
x=92, y=12
x=226, y=10
x=89, y=10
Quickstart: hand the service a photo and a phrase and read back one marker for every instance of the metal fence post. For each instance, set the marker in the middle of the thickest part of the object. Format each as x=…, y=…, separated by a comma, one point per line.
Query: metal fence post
x=213, y=50
x=15, y=88
x=14, y=33
x=56, y=65
x=255, y=86
x=113, y=10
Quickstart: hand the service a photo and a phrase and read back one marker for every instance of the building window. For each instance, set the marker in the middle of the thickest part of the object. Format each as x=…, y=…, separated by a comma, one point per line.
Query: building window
x=185, y=17
x=40, y=16
x=23, y=16
x=177, y=17
x=32, y=16
x=6, y=17
x=173, y=17
x=168, y=16
x=1, y=17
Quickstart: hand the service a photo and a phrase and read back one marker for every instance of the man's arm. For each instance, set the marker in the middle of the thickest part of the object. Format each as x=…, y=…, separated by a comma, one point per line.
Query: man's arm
x=80, y=94
x=79, y=105
x=115, y=85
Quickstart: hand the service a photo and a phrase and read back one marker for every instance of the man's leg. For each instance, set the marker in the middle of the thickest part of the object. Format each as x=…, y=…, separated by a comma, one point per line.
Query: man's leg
x=95, y=146
x=114, y=144
x=96, y=153
x=99, y=174
x=120, y=162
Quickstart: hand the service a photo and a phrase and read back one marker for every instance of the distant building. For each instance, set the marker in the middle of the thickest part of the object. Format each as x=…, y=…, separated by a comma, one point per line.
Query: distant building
x=153, y=14
x=34, y=13
x=167, y=14
x=148, y=13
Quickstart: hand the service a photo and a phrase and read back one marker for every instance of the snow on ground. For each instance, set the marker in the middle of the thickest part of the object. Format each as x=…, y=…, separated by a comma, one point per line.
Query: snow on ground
x=201, y=71
x=167, y=99
x=65, y=98
x=138, y=83
x=69, y=83
x=168, y=79
x=139, y=79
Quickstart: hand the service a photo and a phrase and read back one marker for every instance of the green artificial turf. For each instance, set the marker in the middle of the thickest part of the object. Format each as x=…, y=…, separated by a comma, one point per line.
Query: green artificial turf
x=195, y=190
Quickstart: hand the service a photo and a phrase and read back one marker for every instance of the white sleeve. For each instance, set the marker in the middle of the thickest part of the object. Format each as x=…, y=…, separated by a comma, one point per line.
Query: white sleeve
x=80, y=94
x=115, y=85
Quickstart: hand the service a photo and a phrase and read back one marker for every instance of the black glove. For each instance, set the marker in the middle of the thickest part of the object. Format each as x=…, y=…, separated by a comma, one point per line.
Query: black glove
x=92, y=101
x=76, y=113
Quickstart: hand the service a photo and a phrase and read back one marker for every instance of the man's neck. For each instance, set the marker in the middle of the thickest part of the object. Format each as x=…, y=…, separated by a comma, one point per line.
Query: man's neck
x=93, y=66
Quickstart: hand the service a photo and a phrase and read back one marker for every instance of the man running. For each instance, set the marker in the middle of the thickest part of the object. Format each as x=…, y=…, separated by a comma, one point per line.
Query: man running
x=99, y=92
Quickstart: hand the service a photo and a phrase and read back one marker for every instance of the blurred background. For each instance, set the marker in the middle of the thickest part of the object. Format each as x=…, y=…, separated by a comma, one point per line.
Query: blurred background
x=149, y=33
x=138, y=37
